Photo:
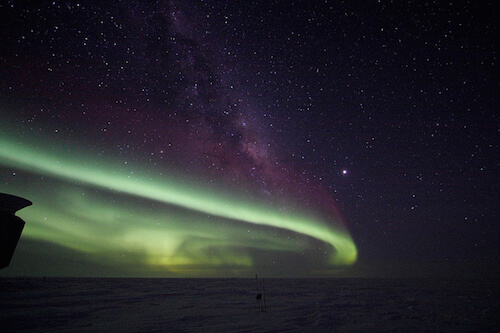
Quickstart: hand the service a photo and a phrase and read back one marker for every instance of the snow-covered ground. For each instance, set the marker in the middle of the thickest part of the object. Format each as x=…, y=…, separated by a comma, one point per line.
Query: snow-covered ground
x=230, y=305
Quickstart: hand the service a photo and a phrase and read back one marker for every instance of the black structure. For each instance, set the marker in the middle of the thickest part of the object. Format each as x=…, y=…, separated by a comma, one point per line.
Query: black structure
x=261, y=295
x=11, y=226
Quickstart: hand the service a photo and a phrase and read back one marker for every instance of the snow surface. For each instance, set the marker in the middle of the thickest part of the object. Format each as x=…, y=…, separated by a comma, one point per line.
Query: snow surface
x=230, y=305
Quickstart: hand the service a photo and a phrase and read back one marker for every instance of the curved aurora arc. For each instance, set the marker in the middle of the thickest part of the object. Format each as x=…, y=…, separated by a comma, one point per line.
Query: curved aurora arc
x=162, y=247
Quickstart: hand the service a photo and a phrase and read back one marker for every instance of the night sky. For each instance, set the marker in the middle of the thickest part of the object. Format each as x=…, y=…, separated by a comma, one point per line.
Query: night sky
x=227, y=138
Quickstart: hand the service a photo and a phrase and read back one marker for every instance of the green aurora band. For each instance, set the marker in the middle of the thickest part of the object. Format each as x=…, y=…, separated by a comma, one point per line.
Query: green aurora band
x=218, y=223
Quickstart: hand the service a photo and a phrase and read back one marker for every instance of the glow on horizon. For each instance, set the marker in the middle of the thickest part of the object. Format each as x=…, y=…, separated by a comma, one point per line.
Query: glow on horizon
x=161, y=247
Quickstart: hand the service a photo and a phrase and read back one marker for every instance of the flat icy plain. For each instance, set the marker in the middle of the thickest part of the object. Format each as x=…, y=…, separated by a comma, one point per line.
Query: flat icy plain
x=230, y=305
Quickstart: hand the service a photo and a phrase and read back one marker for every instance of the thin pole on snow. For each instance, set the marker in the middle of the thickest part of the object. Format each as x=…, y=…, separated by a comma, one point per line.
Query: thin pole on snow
x=261, y=296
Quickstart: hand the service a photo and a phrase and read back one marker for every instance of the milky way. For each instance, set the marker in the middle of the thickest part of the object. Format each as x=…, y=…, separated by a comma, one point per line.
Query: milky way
x=227, y=138
x=142, y=154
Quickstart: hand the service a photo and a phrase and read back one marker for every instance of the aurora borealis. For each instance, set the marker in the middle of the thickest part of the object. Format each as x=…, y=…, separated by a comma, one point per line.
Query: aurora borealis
x=163, y=236
x=228, y=138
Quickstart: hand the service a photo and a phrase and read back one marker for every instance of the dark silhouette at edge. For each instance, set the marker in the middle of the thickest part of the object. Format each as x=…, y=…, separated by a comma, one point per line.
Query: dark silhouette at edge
x=11, y=226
